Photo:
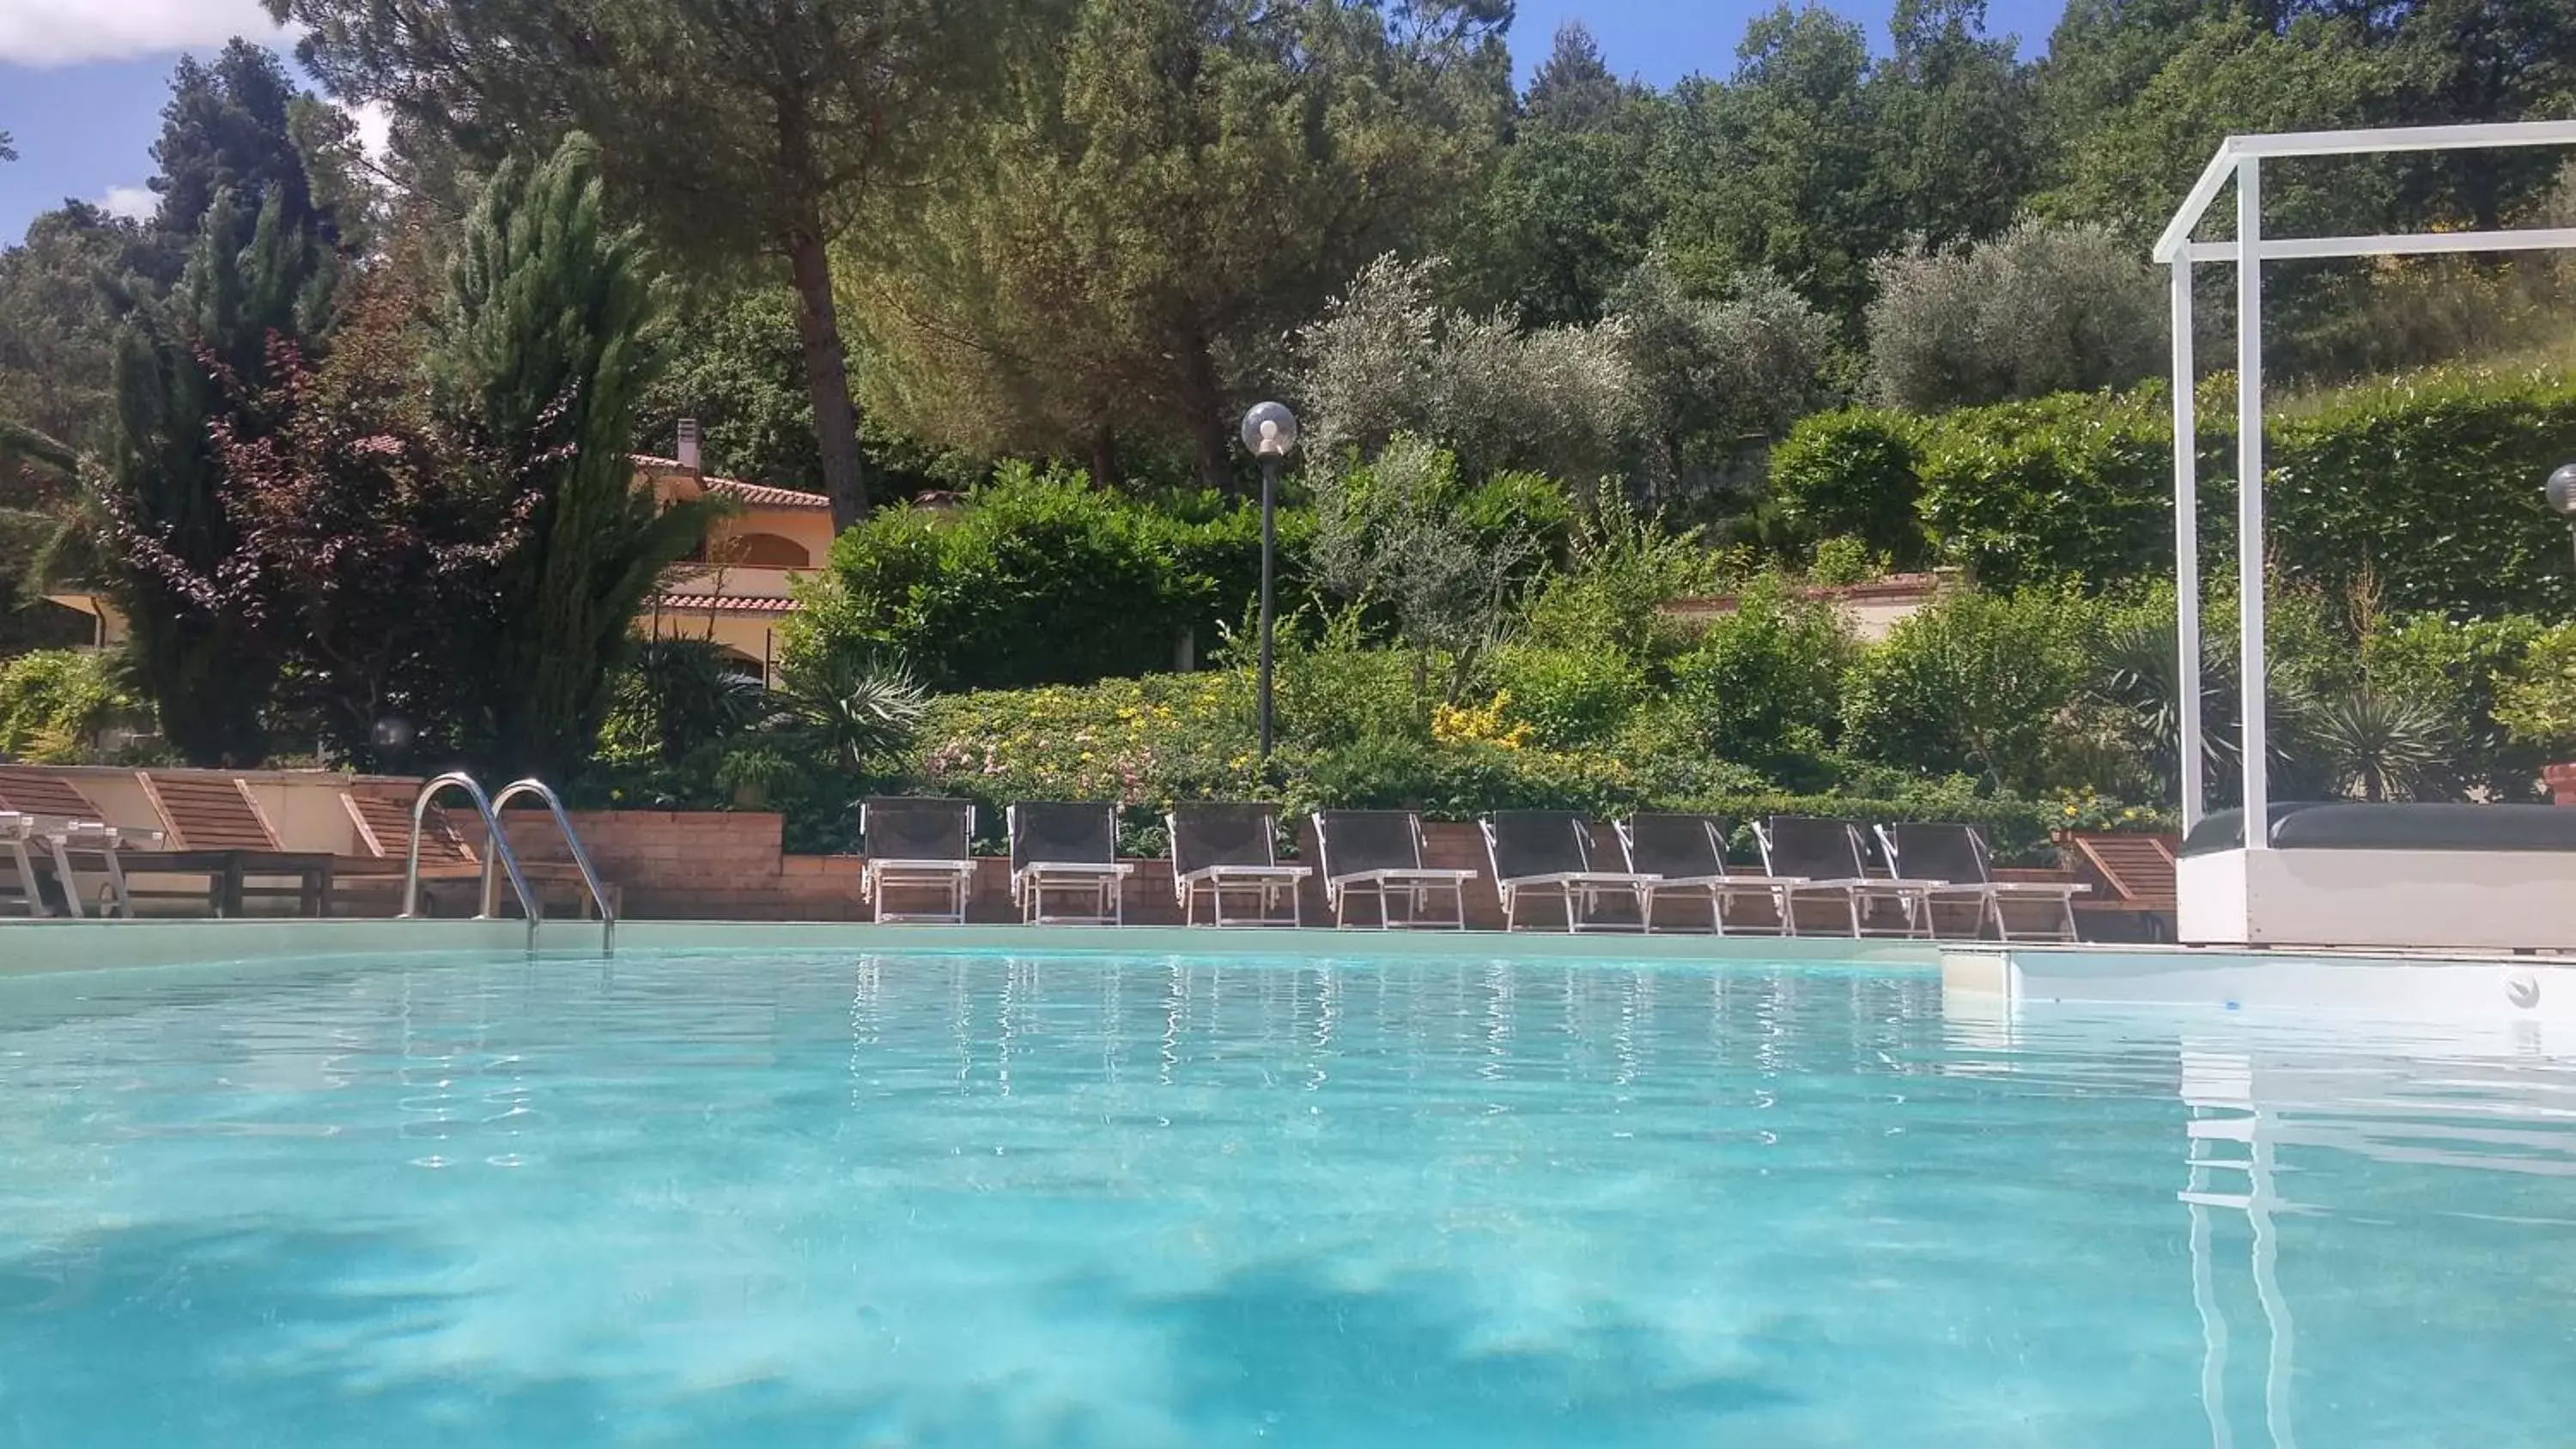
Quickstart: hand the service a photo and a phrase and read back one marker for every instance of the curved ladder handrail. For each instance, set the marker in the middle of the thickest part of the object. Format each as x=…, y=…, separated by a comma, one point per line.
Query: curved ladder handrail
x=499, y=851
x=580, y=856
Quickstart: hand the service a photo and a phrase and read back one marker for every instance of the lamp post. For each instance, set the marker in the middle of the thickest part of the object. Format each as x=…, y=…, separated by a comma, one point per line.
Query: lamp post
x=1270, y=431
x=2560, y=490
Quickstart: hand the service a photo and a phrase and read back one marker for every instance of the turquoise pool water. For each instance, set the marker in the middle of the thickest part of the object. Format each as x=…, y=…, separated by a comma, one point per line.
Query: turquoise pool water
x=967, y=1200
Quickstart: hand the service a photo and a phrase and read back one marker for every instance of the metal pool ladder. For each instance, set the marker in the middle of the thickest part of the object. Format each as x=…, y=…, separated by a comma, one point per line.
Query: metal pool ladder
x=499, y=855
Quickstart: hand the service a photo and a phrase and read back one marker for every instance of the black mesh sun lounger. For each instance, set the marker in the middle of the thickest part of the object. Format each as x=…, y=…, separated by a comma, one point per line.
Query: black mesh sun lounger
x=1067, y=849
x=1229, y=851
x=1537, y=854
x=920, y=847
x=1377, y=855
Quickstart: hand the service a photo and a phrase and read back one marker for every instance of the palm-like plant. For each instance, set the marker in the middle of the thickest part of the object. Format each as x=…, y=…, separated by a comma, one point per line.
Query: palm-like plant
x=2136, y=674
x=687, y=693
x=2378, y=745
x=851, y=706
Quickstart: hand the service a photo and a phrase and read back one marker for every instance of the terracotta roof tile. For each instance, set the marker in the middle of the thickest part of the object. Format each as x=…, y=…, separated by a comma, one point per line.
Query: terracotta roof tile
x=721, y=604
x=760, y=493
x=768, y=497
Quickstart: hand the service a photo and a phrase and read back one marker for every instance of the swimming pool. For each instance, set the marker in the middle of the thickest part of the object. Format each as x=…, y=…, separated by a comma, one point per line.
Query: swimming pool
x=839, y=1198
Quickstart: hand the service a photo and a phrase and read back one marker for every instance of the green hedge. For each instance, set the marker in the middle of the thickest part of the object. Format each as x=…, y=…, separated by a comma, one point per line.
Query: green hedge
x=1856, y=473
x=2431, y=483
x=1041, y=579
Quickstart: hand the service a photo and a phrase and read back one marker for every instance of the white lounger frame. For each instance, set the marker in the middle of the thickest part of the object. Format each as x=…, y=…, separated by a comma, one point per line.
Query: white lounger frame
x=1719, y=889
x=60, y=838
x=1413, y=885
x=1583, y=891
x=1991, y=895
x=1914, y=898
x=954, y=880
x=1101, y=886
x=1267, y=885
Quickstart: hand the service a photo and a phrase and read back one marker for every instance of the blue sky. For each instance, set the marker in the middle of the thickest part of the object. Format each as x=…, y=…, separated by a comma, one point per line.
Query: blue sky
x=82, y=81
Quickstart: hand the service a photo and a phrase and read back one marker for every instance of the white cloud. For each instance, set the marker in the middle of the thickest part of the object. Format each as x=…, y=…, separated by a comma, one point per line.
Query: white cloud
x=68, y=32
x=135, y=203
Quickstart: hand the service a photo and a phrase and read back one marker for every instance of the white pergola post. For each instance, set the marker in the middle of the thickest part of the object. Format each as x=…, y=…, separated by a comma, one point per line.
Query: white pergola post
x=2186, y=431
x=2251, y=673
x=2238, y=160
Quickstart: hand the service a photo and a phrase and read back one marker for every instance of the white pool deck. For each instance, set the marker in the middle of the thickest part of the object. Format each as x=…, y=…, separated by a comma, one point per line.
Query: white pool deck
x=2444, y=986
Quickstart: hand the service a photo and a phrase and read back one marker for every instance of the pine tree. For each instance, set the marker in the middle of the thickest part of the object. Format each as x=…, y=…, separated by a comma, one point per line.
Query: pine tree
x=539, y=363
x=733, y=128
x=1188, y=182
x=252, y=276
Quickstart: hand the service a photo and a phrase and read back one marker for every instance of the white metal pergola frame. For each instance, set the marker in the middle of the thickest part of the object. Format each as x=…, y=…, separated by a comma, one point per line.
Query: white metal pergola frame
x=2240, y=159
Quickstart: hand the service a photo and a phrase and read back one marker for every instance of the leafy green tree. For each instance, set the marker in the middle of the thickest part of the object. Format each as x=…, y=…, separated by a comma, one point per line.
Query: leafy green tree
x=1972, y=685
x=1570, y=207
x=539, y=361
x=1781, y=167
x=2133, y=164
x=2484, y=60
x=1393, y=534
x=1714, y=377
x=735, y=128
x=60, y=292
x=1025, y=303
x=252, y=277
x=1955, y=111
x=1764, y=686
x=2100, y=56
x=732, y=362
x=1385, y=361
x=1573, y=89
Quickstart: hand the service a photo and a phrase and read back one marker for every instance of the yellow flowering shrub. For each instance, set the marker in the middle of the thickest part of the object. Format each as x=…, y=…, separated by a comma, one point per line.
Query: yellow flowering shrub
x=1453, y=724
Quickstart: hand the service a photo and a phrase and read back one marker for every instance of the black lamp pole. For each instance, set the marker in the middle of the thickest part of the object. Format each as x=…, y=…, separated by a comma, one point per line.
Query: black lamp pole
x=1270, y=431
x=1269, y=545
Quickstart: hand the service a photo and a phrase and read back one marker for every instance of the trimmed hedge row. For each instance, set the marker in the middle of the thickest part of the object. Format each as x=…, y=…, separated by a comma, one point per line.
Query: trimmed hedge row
x=2431, y=483
x=1041, y=579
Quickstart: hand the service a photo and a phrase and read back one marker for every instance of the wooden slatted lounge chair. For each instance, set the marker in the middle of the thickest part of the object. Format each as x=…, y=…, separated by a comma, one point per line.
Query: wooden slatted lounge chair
x=918, y=845
x=1377, y=854
x=1065, y=847
x=2132, y=873
x=1232, y=849
x=214, y=823
x=1687, y=855
x=1543, y=853
x=1958, y=854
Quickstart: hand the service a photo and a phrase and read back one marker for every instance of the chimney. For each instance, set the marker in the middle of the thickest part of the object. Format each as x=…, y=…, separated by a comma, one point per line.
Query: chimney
x=688, y=445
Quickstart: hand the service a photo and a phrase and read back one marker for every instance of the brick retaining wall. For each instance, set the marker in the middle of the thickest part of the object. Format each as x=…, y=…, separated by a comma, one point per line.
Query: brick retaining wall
x=729, y=865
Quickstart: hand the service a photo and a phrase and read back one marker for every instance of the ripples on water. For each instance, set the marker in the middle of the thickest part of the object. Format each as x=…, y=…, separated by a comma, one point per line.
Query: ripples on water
x=976, y=1200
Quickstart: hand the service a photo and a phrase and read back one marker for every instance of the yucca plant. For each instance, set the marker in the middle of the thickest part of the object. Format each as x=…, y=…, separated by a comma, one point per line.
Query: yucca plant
x=2135, y=672
x=850, y=706
x=2378, y=745
x=686, y=693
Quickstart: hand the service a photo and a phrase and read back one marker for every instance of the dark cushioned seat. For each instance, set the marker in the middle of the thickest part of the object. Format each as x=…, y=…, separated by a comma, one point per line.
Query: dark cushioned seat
x=2350, y=825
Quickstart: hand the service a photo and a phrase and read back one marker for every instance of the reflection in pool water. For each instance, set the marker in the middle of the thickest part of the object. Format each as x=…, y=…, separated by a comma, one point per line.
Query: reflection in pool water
x=819, y=1199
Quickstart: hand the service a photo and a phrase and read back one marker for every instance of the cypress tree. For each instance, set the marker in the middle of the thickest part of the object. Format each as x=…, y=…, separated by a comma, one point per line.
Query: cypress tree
x=252, y=276
x=540, y=360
